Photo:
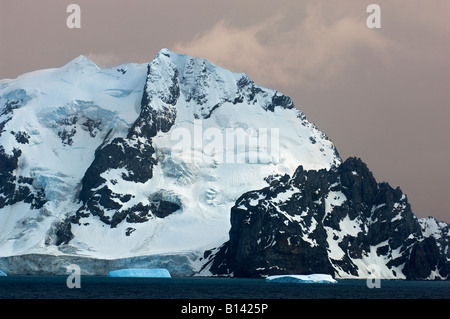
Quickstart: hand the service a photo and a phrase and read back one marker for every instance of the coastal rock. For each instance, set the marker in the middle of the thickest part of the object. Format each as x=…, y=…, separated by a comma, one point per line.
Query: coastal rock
x=338, y=221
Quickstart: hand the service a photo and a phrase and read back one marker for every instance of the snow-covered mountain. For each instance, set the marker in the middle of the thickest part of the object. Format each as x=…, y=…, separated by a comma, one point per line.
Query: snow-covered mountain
x=147, y=163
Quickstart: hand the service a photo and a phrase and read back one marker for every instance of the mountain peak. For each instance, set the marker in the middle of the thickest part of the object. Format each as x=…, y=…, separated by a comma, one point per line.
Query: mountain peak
x=165, y=52
x=184, y=64
x=80, y=62
x=204, y=86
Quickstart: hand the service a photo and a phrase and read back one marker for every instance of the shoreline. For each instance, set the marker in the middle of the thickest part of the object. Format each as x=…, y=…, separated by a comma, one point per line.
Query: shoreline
x=182, y=265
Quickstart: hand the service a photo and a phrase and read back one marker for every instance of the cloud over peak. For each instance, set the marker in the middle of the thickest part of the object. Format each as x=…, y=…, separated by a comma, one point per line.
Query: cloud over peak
x=315, y=49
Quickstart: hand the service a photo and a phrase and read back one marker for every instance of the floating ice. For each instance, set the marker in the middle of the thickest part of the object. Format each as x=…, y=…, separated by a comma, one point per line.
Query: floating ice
x=2, y=273
x=314, y=278
x=141, y=273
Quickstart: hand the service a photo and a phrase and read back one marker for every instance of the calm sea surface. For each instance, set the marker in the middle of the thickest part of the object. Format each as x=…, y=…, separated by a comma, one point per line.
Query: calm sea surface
x=92, y=287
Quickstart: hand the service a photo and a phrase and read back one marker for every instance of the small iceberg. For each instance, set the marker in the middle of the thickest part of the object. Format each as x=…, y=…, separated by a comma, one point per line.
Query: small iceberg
x=2, y=273
x=141, y=273
x=314, y=278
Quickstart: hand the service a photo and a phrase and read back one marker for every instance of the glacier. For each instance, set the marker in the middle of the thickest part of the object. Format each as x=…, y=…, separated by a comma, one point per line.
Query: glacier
x=179, y=265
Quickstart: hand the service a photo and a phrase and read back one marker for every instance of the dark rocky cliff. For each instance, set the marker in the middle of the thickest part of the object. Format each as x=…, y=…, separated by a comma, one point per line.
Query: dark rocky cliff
x=333, y=222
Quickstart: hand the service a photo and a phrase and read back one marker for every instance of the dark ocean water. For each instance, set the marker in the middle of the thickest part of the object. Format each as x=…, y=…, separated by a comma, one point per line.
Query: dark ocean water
x=92, y=287
x=104, y=297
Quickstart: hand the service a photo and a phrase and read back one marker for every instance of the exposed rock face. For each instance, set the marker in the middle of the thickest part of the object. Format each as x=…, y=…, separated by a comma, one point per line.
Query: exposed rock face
x=13, y=188
x=134, y=156
x=336, y=221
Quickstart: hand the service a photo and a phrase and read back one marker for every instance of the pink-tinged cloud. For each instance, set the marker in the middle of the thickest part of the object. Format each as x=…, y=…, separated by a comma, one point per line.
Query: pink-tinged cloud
x=314, y=50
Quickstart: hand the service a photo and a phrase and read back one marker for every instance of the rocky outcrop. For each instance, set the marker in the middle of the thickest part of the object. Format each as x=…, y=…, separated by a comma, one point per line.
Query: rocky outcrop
x=337, y=221
x=13, y=188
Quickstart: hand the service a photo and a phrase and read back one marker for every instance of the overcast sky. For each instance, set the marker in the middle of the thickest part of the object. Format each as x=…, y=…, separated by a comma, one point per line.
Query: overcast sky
x=380, y=94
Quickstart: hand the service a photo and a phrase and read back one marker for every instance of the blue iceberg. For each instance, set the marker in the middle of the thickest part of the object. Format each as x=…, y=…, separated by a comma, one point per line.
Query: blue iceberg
x=2, y=273
x=314, y=278
x=141, y=273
